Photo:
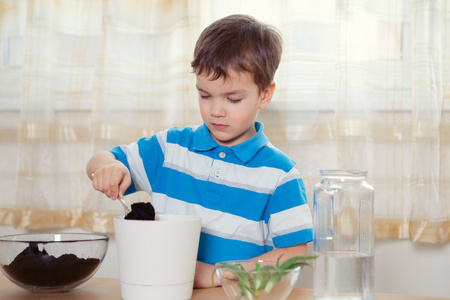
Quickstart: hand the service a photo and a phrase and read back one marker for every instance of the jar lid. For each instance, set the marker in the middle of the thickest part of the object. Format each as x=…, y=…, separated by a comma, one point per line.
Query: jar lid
x=344, y=173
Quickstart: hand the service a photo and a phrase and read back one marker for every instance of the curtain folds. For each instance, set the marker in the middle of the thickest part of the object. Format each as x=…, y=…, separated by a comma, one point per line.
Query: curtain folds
x=362, y=85
x=392, y=84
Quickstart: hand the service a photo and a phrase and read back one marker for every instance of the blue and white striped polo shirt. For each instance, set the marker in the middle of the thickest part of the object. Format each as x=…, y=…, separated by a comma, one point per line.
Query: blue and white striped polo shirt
x=250, y=196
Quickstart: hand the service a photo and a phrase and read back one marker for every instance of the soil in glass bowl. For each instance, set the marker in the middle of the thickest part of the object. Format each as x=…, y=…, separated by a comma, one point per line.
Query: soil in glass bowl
x=36, y=267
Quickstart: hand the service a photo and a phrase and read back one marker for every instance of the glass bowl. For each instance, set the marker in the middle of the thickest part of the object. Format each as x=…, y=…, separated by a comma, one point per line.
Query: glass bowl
x=240, y=280
x=46, y=263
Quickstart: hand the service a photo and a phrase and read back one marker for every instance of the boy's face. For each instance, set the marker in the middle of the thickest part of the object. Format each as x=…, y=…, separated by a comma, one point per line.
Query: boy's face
x=229, y=107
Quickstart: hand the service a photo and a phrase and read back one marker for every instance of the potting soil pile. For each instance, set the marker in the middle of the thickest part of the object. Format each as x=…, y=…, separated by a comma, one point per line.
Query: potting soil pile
x=141, y=211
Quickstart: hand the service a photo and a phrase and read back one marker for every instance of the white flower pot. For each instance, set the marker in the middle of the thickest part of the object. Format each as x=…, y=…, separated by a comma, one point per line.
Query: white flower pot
x=157, y=259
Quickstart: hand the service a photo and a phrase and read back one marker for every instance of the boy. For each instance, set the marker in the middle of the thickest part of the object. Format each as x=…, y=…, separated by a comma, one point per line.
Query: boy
x=249, y=194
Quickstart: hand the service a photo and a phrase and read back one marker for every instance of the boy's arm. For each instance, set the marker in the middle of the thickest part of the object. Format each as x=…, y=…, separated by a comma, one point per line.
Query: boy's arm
x=108, y=175
x=204, y=271
x=287, y=253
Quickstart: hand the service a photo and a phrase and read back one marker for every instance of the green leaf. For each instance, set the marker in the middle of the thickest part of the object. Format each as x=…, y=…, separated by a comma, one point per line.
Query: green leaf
x=261, y=278
x=274, y=279
x=294, y=262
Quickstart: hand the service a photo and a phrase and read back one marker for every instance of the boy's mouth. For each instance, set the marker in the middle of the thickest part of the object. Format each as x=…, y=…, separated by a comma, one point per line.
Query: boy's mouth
x=219, y=126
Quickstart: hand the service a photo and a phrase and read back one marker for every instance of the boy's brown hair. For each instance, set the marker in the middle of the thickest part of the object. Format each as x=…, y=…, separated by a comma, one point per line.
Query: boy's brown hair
x=242, y=43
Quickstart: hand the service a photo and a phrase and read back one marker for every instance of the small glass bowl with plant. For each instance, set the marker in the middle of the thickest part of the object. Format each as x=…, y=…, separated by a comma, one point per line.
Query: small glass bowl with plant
x=260, y=279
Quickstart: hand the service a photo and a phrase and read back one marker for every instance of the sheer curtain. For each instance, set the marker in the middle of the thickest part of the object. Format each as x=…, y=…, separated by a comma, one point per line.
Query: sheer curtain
x=392, y=91
x=362, y=84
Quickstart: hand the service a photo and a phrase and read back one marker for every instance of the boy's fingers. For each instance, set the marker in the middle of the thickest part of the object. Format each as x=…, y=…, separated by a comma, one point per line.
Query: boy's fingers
x=119, y=182
x=111, y=181
x=114, y=185
x=106, y=183
x=126, y=182
x=99, y=182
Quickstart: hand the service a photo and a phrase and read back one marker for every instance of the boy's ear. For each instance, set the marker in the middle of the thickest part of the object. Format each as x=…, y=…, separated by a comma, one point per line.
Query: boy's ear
x=267, y=95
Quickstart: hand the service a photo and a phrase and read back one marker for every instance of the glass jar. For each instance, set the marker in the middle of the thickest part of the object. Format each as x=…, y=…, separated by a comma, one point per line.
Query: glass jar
x=343, y=236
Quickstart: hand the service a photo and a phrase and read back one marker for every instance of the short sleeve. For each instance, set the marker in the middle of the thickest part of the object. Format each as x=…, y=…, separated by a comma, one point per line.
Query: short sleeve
x=290, y=218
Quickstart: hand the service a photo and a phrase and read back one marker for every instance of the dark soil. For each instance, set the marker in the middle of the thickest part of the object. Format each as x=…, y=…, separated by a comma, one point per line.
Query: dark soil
x=141, y=211
x=37, y=268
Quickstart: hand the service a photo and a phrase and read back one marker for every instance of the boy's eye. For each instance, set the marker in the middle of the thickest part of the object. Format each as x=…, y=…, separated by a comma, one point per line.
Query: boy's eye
x=204, y=96
x=234, y=100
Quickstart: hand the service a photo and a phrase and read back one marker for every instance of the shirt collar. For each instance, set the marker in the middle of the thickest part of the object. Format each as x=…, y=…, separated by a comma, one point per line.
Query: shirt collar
x=203, y=140
x=244, y=151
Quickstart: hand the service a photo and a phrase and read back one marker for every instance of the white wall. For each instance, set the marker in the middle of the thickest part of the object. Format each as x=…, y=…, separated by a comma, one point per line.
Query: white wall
x=401, y=267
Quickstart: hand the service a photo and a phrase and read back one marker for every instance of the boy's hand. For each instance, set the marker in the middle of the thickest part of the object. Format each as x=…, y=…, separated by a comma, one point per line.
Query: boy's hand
x=112, y=180
x=203, y=272
x=108, y=175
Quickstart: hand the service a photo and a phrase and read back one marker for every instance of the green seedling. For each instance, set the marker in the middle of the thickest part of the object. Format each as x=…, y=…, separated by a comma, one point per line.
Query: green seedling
x=262, y=278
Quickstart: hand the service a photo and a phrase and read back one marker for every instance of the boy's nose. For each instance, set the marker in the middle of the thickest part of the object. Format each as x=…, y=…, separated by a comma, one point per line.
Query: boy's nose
x=217, y=109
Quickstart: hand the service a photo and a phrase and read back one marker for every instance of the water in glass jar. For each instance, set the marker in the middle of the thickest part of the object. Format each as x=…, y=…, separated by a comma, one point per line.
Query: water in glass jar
x=343, y=275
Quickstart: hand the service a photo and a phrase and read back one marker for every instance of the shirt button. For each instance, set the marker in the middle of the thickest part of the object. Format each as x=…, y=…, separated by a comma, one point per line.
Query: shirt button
x=222, y=154
x=217, y=172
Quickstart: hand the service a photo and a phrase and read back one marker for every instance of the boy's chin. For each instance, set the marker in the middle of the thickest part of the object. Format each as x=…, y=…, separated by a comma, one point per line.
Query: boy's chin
x=227, y=140
x=222, y=139
x=222, y=142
